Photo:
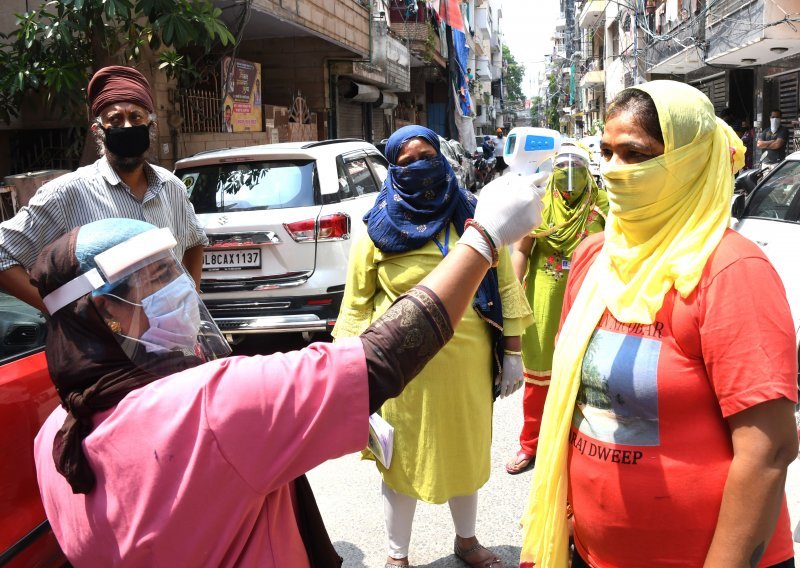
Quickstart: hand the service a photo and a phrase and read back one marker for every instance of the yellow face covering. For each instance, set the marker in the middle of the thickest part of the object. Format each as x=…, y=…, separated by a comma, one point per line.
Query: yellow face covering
x=666, y=217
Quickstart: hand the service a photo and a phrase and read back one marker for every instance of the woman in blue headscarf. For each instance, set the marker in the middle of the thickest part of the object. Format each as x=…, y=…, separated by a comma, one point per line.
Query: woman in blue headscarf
x=442, y=427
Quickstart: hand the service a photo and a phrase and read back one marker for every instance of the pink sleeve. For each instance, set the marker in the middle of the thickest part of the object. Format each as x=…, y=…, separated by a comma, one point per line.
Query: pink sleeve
x=747, y=336
x=276, y=417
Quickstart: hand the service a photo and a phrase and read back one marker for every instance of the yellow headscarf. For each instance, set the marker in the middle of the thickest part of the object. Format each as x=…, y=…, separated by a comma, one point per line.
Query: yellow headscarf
x=666, y=217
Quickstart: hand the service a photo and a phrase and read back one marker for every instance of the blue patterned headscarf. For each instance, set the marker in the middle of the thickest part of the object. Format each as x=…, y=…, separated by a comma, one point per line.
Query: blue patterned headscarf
x=418, y=201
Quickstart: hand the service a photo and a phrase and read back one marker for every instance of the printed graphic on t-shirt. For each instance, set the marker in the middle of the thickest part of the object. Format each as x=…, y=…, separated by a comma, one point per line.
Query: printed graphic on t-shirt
x=618, y=397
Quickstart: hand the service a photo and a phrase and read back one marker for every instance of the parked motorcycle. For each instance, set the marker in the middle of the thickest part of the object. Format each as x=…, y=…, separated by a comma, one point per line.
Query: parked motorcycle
x=484, y=169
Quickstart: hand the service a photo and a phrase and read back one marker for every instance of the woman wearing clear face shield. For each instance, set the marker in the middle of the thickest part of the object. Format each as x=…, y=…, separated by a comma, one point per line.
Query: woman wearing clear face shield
x=668, y=427
x=574, y=208
x=165, y=451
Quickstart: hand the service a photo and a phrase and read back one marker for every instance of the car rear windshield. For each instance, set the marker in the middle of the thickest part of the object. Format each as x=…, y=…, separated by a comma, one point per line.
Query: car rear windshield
x=250, y=186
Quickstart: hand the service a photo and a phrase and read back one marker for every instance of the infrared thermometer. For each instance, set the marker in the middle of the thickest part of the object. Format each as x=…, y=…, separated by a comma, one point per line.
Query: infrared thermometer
x=527, y=148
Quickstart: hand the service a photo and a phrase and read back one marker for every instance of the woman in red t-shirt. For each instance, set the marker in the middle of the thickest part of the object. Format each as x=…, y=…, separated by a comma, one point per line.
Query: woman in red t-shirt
x=670, y=427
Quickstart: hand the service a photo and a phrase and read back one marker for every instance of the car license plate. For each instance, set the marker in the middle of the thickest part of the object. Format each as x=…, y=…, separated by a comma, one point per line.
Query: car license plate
x=239, y=259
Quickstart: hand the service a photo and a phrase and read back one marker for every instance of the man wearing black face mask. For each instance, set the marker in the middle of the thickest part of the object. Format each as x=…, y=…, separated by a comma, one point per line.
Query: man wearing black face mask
x=120, y=184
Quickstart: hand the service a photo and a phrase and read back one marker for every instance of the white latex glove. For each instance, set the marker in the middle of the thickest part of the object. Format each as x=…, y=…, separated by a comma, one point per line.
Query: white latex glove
x=510, y=379
x=510, y=207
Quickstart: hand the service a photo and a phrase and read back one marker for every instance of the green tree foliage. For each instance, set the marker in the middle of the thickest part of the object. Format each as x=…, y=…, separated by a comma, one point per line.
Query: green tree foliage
x=513, y=75
x=55, y=48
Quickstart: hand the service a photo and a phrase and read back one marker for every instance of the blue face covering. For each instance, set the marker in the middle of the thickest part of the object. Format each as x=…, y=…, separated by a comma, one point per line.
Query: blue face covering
x=174, y=317
x=418, y=200
x=429, y=174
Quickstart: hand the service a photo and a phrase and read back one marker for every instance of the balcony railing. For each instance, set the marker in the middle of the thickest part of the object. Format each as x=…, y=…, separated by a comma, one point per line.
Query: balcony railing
x=686, y=36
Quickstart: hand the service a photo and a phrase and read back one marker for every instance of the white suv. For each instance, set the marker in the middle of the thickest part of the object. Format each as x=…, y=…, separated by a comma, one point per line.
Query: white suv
x=279, y=219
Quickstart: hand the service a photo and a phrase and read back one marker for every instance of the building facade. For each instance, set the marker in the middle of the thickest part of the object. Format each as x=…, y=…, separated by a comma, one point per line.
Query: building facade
x=743, y=54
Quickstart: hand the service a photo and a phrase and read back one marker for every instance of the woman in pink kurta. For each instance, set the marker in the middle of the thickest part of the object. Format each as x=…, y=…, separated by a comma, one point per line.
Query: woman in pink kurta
x=161, y=455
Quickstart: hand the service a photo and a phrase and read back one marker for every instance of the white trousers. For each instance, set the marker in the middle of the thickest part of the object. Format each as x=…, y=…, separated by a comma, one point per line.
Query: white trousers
x=398, y=510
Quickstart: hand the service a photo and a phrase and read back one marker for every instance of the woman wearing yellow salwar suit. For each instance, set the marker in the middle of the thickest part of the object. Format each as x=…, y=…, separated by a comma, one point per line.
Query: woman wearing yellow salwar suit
x=442, y=427
x=668, y=426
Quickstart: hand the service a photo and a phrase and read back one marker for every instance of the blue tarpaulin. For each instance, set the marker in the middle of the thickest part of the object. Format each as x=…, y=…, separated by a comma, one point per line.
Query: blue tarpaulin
x=462, y=84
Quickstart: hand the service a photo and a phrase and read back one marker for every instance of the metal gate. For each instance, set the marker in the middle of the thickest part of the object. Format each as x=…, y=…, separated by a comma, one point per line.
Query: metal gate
x=786, y=92
x=437, y=119
x=716, y=90
x=349, y=120
x=379, y=126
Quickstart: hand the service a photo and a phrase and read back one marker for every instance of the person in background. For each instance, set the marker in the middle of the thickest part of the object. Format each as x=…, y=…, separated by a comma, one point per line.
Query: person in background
x=164, y=452
x=574, y=208
x=773, y=140
x=748, y=137
x=443, y=422
x=121, y=183
x=669, y=425
x=499, y=146
x=487, y=147
x=729, y=118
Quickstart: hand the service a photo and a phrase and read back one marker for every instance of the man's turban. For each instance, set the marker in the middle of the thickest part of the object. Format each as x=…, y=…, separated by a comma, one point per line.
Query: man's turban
x=118, y=84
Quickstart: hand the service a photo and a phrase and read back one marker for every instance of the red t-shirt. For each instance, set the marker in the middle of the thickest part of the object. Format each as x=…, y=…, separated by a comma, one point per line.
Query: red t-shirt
x=650, y=447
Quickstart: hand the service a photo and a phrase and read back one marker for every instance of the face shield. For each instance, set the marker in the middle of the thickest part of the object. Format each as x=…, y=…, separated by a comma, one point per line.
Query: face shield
x=571, y=172
x=149, y=304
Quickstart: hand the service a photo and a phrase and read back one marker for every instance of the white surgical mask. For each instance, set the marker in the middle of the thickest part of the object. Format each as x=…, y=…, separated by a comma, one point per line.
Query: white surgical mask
x=173, y=315
x=774, y=124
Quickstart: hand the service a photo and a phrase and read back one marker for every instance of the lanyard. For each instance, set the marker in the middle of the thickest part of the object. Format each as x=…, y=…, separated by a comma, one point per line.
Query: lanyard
x=445, y=249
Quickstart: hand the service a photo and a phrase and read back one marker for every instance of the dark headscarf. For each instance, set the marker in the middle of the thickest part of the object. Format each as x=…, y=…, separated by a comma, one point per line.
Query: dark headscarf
x=118, y=84
x=416, y=202
x=90, y=370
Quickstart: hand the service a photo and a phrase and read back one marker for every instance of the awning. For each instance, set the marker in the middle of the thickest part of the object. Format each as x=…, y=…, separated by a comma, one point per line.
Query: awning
x=388, y=100
x=361, y=93
x=593, y=78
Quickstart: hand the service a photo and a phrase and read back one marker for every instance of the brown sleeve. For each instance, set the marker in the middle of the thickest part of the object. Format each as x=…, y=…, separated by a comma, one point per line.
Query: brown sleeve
x=402, y=341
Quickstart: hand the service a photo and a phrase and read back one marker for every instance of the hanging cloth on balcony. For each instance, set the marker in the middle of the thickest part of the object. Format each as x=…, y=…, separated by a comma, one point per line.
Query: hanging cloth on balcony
x=450, y=12
x=462, y=81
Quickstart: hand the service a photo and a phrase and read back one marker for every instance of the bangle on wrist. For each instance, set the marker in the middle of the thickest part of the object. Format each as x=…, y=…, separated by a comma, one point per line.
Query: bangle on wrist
x=510, y=352
x=478, y=227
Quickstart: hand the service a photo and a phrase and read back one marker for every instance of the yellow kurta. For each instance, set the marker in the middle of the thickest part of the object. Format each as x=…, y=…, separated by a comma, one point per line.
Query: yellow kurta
x=443, y=419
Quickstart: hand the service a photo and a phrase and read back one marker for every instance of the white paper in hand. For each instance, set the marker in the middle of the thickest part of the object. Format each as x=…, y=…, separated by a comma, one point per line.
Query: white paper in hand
x=381, y=439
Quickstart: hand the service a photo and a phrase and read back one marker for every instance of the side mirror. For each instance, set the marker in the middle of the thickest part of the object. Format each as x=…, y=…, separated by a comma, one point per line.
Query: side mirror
x=737, y=206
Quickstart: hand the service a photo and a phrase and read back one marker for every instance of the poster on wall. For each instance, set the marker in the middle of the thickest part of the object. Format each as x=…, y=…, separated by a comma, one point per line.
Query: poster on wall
x=241, y=93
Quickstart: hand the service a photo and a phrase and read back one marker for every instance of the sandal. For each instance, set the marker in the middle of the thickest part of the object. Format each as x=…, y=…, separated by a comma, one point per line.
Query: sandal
x=522, y=462
x=488, y=563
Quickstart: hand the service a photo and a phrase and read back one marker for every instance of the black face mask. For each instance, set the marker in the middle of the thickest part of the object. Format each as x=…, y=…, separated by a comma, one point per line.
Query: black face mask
x=128, y=142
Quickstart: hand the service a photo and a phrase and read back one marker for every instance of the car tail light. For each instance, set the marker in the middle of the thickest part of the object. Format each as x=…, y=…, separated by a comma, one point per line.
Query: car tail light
x=331, y=228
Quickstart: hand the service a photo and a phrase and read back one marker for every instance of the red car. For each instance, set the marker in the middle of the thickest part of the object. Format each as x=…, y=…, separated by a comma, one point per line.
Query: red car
x=27, y=397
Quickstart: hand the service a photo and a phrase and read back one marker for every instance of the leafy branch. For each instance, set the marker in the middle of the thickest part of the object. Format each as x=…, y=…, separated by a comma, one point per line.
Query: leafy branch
x=54, y=48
